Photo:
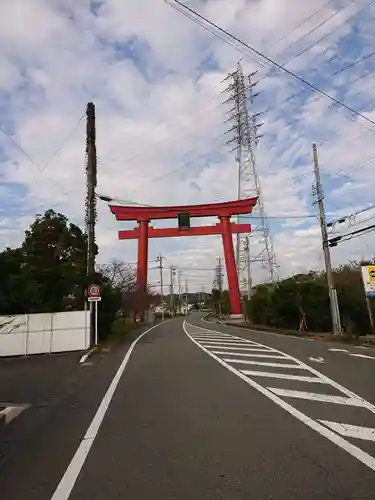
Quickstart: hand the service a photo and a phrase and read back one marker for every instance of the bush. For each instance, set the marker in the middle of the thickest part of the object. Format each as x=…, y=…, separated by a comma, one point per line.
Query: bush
x=283, y=304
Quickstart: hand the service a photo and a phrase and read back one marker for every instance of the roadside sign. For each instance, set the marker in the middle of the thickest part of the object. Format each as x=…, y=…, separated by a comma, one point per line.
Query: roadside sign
x=94, y=291
x=368, y=277
x=94, y=299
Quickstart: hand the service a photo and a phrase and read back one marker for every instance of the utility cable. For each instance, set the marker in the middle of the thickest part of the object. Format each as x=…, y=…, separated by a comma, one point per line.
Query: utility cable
x=270, y=61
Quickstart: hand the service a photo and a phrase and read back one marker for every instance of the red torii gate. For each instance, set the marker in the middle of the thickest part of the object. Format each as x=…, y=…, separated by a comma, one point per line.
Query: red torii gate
x=224, y=211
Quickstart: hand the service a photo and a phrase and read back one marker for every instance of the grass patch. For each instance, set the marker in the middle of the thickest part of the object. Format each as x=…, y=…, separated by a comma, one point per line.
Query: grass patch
x=123, y=326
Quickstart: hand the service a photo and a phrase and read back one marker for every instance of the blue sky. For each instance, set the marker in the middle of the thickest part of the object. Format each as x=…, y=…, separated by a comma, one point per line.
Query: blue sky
x=157, y=83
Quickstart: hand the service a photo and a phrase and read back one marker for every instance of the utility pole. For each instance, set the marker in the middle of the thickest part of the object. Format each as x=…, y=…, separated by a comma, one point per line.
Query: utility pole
x=186, y=296
x=171, y=286
x=179, y=289
x=90, y=215
x=318, y=191
x=160, y=260
x=248, y=267
x=219, y=280
x=219, y=276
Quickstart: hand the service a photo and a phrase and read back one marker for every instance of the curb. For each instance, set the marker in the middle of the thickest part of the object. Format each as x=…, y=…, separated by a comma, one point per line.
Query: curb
x=88, y=354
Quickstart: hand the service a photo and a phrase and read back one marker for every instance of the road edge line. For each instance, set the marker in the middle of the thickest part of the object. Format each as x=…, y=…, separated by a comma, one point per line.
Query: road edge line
x=67, y=482
x=351, y=449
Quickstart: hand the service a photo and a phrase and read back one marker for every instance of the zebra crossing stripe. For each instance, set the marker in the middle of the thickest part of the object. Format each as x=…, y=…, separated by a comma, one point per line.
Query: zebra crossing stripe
x=351, y=431
x=313, y=396
x=262, y=363
x=249, y=355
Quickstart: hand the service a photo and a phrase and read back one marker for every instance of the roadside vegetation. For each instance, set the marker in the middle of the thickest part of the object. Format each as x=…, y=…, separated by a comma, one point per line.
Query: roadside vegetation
x=47, y=273
x=305, y=297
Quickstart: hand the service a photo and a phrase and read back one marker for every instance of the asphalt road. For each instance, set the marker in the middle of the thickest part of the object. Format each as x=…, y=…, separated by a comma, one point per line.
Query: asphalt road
x=194, y=414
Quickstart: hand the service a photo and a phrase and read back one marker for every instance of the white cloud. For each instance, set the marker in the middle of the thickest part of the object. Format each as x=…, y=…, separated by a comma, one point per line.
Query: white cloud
x=157, y=83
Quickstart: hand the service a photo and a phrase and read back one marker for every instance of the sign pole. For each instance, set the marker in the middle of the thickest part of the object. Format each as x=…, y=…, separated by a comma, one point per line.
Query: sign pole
x=96, y=322
x=94, y=292
x=370, y=315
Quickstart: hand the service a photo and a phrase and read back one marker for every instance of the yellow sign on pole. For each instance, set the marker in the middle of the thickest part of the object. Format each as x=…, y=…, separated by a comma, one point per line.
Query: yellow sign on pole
x=368, y=276
x=371, y=274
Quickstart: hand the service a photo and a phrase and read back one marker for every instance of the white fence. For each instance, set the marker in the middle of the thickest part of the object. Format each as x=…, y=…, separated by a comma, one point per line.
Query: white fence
x=44, y=333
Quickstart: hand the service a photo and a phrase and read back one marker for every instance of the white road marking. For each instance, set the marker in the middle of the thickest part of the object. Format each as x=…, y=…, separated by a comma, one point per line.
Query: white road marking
x=212, y=336
x=71, y=474
x=317, y=360
x=223, y=341
x=338, y=350
x=323, y=378
x=353, y=450
x=12, y=411
x=247, y=349
x=249, y=355
x=262, y=363
x=218, y=344
x=313, y=396
x=265, y=332
x=284, y=376
x=351, y=431
x=362, y=356
x=88, y=354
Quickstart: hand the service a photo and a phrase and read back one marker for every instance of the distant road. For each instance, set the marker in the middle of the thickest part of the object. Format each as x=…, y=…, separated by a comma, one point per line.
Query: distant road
x=196, y=411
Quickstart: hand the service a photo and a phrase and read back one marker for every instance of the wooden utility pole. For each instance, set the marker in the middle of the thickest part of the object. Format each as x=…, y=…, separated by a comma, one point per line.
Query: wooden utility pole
x=179, y=289
x=171, y=286
x=91, y=178
x=248, y=268
x=160, y=260
x=219, y=278
x=335, y=313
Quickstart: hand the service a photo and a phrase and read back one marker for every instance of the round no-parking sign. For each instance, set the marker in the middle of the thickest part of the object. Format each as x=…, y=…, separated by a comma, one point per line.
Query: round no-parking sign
x=94, y=291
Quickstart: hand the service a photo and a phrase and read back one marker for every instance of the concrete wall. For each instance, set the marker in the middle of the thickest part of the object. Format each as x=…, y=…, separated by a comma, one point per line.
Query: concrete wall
x=44, y=333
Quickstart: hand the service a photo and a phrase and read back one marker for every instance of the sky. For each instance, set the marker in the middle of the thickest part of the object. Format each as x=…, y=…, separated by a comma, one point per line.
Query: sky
x=158, y=82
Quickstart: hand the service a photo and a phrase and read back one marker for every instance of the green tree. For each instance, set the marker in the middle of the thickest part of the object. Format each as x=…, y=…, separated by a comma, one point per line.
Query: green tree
x=47, y=273
x=283, y=305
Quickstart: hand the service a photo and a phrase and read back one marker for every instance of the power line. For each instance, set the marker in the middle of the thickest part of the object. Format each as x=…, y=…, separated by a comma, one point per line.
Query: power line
x=304, y=21
x=280, y=216
x=322, y=23
x=269, y=60
x=340, y=220
x=296, y=94
x=334, y=14
x=141, y=152
x=349, y=236
x=182, y=165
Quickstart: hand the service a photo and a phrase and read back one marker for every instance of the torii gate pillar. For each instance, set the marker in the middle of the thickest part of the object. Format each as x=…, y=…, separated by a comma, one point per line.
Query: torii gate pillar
x=142, y=256
x=230, y=262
